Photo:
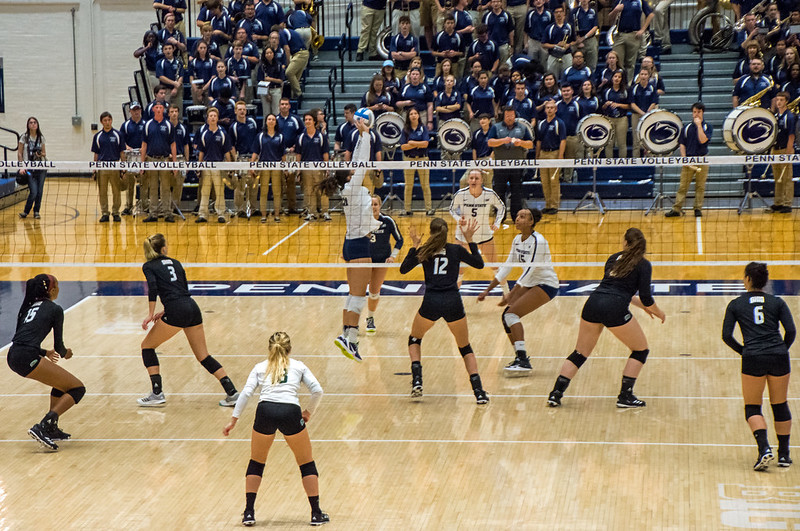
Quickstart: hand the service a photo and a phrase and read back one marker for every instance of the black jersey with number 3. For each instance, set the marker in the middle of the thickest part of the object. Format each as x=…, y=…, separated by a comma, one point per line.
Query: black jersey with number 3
x=759, y=315
x=34, y=325
x=441, y=270
x=165, y=279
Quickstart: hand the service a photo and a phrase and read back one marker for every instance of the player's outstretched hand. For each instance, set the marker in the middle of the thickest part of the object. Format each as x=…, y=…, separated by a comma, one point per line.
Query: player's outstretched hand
x=52, y=355
x=416, y=239
x=469, y=227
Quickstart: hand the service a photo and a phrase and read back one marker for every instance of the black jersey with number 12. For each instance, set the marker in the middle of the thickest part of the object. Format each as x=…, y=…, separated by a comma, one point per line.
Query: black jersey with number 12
x=759, y=315
x=441, y=270
x=165, y=279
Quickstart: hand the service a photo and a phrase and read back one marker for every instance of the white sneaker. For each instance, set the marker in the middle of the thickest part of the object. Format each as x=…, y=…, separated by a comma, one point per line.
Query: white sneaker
x=229, y=401
x=371, y=325
x=152, y=400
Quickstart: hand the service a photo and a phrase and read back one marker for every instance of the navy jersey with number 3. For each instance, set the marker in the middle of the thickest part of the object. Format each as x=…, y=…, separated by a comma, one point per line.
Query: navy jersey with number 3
x=759, y=315
x=441, y=270
x=165, y=279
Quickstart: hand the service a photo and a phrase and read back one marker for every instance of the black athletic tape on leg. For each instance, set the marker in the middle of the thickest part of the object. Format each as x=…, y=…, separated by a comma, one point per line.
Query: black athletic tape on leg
x=210, y=364
x=465, y=350
x=254, y=468
x=56, y=393
x=503, y=320
x=77, y=393
x=781, y=413
x=577, y=358
x=752, y=410
x=640, y=355
x=414, y=341
x=149, y=357
x=309, y=469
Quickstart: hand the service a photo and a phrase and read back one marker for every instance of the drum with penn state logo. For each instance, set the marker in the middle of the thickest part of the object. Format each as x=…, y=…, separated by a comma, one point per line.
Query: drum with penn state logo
x=196, y=114
x=750, y=130
x=527, y=125
x=389, y=127
x=660, y=131
x=454, y=135
x=595, y=131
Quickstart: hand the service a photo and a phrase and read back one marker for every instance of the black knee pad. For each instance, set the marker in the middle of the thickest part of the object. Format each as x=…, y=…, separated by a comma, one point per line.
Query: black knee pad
x=640, y=355
x=751, y=409
x=309, y=469
x=254, y=468
x=149, y=357
x=77, y=393
x=503, y=320
x=210, y=364
x=577, y=358
x=414, y=341
x=781, y=413
x=465, y=350
x=56, y=393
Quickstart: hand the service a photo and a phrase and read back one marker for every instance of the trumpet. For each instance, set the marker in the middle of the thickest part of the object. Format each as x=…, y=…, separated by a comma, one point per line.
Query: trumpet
x=755, y=99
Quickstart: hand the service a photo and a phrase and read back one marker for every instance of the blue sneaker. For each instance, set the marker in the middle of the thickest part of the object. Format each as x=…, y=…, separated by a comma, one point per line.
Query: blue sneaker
x=350, y=350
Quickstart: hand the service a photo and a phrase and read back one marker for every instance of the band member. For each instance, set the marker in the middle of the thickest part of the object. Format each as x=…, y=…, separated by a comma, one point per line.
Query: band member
x=107, y=145
x=694, y=141
x=166, y=279
x=630, y=31
x=644, y=98
x=312, y=145
x=482, y=151
x=568, y=110
x=626, y=273
x=551, y=141
x=381, y=252
x=132, y=132
x=158, y=144
x=243, y=136
x=214, y=145
x=509, y=140
x=414, y=142
x=765, y=359
x=440, y=262
x=37, y=316
x=755, y=83
x=615, y=107
x=784, y=145
x=270, y=147
x=279, y=378
x=182, y=142
x=537, y=285
x=559, y=38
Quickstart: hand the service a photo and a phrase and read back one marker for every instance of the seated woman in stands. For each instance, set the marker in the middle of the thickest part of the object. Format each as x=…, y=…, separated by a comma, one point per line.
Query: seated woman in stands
x=377, y=99
x=649, y=64
x=201, y=71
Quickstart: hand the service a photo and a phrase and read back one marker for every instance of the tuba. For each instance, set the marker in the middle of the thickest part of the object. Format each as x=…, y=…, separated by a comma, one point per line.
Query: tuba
x=755, y=99
x=792, y=106
x=317, y=40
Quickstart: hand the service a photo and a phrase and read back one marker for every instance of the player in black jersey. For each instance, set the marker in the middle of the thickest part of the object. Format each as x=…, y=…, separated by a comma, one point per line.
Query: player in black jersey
x=167, y=279
x=382, y=252
x=765, y=359
x=37, y=316
x=440, y=262
x=626, y=273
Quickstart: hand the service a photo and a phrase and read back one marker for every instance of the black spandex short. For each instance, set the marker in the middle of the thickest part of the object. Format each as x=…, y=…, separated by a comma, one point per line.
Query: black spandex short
x=380, y=259
x=182, y=313
x=355, y=248
x=609, y=310
x=766, y=364
x=271, y=416
x=23, y=359
x=548, y=290
x=442, y=304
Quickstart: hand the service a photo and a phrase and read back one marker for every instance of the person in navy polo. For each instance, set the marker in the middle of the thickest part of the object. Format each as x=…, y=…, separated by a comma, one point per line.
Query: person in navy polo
x=290, y=126
x=569, y=112
x=559, y=37
x=403, y=47
x=510, y=141
x=341, y=141
x=107, y=146
x=176, y=7
x=201, y=72
x=222, y=30
x=312, y=146
x=751, y=85
x=214, y=145
x=481, y=100
x=243, y=136
x=225, y=106
x=481, y=150
x=551, y=141
x=522, y=104
x=158, y=144
x=254, y=28
x=182, y=143
x=484, y=50
x=298, y=59
x=372, y=14
x=577, y=73
x=586, y=30
x=643, y=99
x=501, y=29
x=170, y=34
x=270, y=147
x=239, y=69
x=160, y=96
x=170, y=73
x=693, y=141
x=630, y=31
x=132, y=131
x=419, y=96
x=448, y=102
x=536, y=23
x=449, y=44
x=269, y=13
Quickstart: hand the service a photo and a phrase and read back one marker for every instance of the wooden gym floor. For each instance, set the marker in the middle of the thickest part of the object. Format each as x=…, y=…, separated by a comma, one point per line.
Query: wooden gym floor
x=683, y=462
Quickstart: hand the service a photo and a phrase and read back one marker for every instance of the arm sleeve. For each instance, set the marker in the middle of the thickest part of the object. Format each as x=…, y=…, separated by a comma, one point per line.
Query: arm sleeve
x=152, y=284
x=727, y=330
x=790, y=332
x=361, y=154
x=314, y=387
x=58, y=332
x=472, y=258
x=645, y=277
x=502, y=272
x=246, y=392
x=410, y=261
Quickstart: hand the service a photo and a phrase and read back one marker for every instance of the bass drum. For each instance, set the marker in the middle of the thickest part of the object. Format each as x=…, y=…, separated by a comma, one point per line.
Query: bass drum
x=595, y=131
x=384, y=41
x=527, y=125
x=389, y=127
x=454, y=135
x=196, y=114
x=750, y=130
x=659, y=131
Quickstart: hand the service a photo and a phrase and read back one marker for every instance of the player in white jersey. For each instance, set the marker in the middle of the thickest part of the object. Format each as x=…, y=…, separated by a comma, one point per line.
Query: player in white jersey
x=537, y=285
x=279, y=409
x=357, y=206
x=476, y=202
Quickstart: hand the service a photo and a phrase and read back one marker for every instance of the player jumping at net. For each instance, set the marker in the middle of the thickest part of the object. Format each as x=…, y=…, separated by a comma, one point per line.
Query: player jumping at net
x=37, y=316
x=440, y=262
x=626, y=273
x=765, y=359
x=279, y=409
x=166, y=279
x=537, y=285
x=382, y=252
x=357, y=206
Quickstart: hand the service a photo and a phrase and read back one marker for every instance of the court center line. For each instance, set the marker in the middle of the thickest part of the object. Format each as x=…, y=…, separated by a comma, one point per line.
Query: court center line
x=86, y=298
x=295, y=231
x=699, y=229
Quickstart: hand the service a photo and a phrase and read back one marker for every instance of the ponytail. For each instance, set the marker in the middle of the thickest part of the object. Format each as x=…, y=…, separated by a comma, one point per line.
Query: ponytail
x=153, y=246
x=435, y=242
x=631, y=256
x=36, y=289
x=333, y=183
x=278, y=360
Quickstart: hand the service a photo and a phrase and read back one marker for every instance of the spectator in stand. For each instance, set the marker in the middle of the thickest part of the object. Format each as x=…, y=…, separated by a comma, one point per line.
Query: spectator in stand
x=465, y=24
x=510, y=141
x=649, y=64
x=376, y=98
x=483, y=50
x=784, y=145
x=558, y=41
x=169, y=33
x=748, y=33
x=281, y=52
x=772, y=64
x=151, y=51
x=170, y=73
x=501, y=29
x=447, y=104
x=781, y=73
x=443, y=69
x=297, y=55
x=226, y=107
x=322, y=121
x=290, y=126
x=205, y=15
x=211, y=47
x=159, y=96
x=576, y=74
x=222, y=29
x=603, y=76
x=449, y=45
x=481, y=150
x=547, y=92
x=615, y=107
x=372, y=178
x=214, y=145
x=108, y=146
x=391, y=83
x=587, y=30
x=752, y=84
x=694, y=139
x=743, y=66
x=518, y=9
x=270, y=13
x=256, y=31
x=471, y=81
x=410, y=9
x=300, y=21
x=312, y=146
x=481, y=100
x=536, y=23
x=403, y=47
x=270, y=147
x=158, y=145
x=643, y=99
x=239, y=69
x=550, y=144
x=588, y=103
x=419, y=96
x=249, y=48
x=792, y=85
x=343, y=132
x=220, y=81
x=523, y=106
x=271, y=71
x=502, y=84
x=182, y=142
x=372, y=15
x=630, y=31
x=201, y=72
x=569, y=112
x=243, y=137
x=414, y=142
x=132, y=132
x=173, y=7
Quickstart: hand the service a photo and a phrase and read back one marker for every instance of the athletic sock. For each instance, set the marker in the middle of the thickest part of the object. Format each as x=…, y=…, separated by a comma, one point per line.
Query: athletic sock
x=155, y=380
x=627, y=385
x=352, y=334
x=475, y=381
x=370, y=313
x=783, y=444
x=562, y=382
x=314, y=502
x=51, y=419
x=761, y=440
x=227, y=384
x=250, y=502
x=519, y=348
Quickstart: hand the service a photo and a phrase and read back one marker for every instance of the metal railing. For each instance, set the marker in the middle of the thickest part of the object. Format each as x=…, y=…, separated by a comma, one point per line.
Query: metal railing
x=7, y=148
x=340, y=48
x=348, y=18
x=332, y=79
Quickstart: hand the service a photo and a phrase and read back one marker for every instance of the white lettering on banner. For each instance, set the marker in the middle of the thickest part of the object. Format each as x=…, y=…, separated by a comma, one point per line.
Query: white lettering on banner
x=262, y=288
x=208, y=287
x=588, y=288
x=667, y=286
x=409, y=288
x=306, y=288
x=717, y=288
x=759, y=507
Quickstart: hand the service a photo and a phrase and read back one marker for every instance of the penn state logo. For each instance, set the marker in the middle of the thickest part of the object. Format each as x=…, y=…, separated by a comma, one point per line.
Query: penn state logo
x=454, y=137
x=755, y=131
x=662, y=133
x=596, y=133
x=389, y=130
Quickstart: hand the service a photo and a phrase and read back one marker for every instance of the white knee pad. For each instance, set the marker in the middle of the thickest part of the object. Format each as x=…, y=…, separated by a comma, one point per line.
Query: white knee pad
x=355, y=304
x=510, y=319
x=374, y=296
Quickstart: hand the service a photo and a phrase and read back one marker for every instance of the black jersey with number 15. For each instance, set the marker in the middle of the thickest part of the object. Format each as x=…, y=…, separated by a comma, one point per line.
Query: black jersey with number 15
x=165, y=279
x=759, y=315
x=34, y=325
x=441, y=270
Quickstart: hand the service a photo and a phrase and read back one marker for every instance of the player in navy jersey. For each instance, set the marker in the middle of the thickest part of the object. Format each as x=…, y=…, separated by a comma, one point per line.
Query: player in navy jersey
x=765, y=359
x=626, y=273
x=166, y=279
x=440, y=262
x=37, y=315
x=382, y=252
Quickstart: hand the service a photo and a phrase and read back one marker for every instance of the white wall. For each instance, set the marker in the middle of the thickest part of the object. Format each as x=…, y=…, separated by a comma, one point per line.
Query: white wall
x=37, y=52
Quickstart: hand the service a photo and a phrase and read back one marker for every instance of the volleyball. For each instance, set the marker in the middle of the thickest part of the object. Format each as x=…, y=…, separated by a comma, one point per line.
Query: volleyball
x=365, y=114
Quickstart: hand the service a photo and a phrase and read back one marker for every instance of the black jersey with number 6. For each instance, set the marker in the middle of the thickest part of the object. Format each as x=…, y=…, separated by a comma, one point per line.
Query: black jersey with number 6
x=34, y=325
x=759, y=315
x=441, y=270
x=165, y=279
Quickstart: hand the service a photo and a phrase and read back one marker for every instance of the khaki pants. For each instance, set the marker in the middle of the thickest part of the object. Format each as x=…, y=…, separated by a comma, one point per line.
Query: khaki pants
x=637, y=142
x=272, y=104
x=557, y=66
x=551, y=184
x=536, y=52
x=297, y=64
x=518, y=15
x=244, y=191
x=661, y=22
x=424, y=182
x=159, y=181
x=620, y=126
x=784, y=186
x=627, y=45
x=504, y=52
x=699, y=174
x=313, y=198
x=371, y=21
x=276, y=178
x=104, y=179
x=130, y=191
x=372, y=181
x=212, y=178
x=429, y=15
x=590, y=52
x=290, y=187
x=571, y=149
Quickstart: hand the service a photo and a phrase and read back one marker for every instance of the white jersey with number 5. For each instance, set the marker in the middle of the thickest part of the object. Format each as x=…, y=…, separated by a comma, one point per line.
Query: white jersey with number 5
x=535, y=251
x=356, y=201
x=466, y=205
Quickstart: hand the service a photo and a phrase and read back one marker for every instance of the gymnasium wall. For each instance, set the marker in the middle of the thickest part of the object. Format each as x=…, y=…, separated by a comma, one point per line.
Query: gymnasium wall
x=36, y=46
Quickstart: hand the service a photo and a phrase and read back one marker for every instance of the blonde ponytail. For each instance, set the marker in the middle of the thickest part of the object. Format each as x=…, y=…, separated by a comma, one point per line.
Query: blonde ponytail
x=153, y=246
x=278, y=360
